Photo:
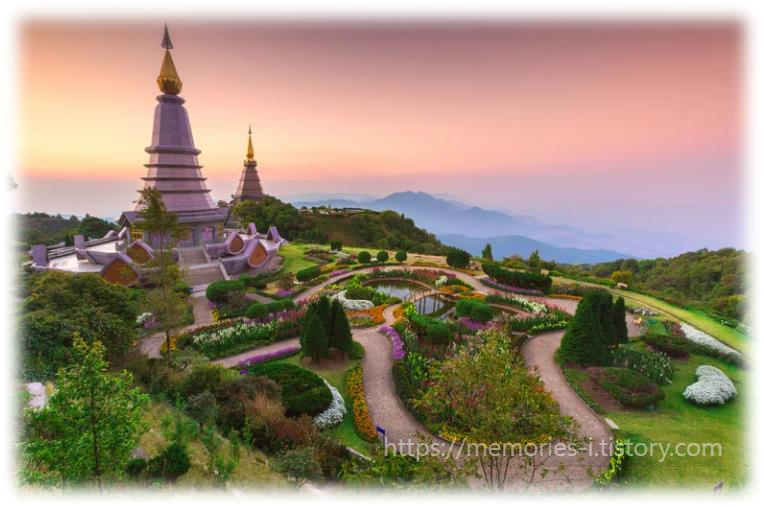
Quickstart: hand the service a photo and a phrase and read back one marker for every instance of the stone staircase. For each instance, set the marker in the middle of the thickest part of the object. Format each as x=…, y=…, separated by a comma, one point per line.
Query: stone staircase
x=204, y=275
x=192, y=256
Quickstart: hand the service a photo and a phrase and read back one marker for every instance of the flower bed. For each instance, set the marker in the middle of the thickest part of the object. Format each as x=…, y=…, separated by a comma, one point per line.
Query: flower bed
x=398, y=351
x=525, y=304
x=490, y=282
x=654, y=365
x=361, y=418
x=353, y=304
x=626, y=386
x=366, y=318
x=264, y=357
x=711, y=345
x=713, y=387
x=219, y=341
x=333, y=415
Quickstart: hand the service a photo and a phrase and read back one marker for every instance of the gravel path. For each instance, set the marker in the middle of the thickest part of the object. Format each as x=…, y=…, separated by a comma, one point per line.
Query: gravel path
x=538, y=352
x=386, y=409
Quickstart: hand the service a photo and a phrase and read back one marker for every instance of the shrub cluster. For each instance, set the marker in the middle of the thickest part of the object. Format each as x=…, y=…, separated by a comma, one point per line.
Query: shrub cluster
x=435, y=331
x=308, y=274
x=596, y=328
x=361, y=418
x=523, y=279
x=458, y=258
x=221, y=291
x=627, y=386
x=302, y=391
x=475, y=309
x=672, y=346
x=262, y=310
x=326, y=326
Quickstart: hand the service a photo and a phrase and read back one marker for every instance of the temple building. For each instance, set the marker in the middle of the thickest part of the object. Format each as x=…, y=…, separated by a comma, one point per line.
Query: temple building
x=212, y=252
x=173, y=166
x=249, y=184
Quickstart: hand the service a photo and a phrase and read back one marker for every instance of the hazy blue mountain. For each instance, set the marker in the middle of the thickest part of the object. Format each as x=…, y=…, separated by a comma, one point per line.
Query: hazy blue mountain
x=505, y=246
x=442, y=216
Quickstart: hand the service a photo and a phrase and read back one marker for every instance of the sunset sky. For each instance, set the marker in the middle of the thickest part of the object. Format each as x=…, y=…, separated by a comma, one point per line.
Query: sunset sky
x=610, y=127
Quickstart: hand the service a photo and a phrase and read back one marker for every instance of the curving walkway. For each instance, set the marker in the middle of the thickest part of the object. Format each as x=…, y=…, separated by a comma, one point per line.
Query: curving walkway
x=386, y=409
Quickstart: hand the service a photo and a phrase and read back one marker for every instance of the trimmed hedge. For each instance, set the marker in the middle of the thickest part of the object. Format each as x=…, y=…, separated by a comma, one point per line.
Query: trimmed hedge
x=672, y=346
x=435, y=331
x=382, y=256
x=522, y=279
x=628, y=387
x=302, y=391
x=218, y=292
x=401, y=256
x=307, y=274
x=475, y=309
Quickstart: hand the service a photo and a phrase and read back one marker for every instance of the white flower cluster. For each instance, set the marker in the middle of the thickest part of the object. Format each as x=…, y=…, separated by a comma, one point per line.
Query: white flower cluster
x=701, y=338
x=529, y=305
x=353, y=304
x=333, y=415
x=712, y=388
x=441, y=281
x=143, y=318
x=645, y=312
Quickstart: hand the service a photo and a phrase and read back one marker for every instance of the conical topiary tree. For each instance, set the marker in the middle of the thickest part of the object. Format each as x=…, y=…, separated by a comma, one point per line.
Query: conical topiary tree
x=324, y=311
x=587, y=341
x=342, y=335
x=619, y=321
x=315, y=345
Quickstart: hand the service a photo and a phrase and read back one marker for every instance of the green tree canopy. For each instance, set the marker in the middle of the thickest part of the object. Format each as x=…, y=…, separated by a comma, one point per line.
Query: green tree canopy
x=87, y=431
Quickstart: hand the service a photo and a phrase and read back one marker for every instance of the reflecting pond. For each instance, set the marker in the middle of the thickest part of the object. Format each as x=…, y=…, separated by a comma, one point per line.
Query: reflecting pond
x=396, y=289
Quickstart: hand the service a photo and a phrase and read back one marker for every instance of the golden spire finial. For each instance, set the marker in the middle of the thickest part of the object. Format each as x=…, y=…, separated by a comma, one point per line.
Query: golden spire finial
x=250, y=148
x=168, y=80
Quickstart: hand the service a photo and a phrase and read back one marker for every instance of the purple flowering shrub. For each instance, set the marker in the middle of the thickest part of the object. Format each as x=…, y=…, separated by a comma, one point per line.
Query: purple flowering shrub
x=398, y=350
x=267, y=356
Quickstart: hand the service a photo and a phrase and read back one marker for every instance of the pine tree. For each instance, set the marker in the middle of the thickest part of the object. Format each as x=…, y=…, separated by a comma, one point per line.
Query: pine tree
x=336, y=308
x=487, y=252
x=324, y=311
x=343, y=336
x=619, y=321
x=316, y=345
x=587, y=340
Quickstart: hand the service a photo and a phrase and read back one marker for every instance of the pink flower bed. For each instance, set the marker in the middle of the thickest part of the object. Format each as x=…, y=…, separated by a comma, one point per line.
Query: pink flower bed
x=398, y=351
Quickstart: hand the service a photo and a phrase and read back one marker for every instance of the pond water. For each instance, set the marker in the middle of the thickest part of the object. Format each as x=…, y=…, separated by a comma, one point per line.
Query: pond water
x=433, y=304
x=396, y=289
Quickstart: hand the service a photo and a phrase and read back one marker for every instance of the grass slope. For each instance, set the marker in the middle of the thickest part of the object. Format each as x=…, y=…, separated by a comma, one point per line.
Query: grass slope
x=678, y=421
x=731, y=337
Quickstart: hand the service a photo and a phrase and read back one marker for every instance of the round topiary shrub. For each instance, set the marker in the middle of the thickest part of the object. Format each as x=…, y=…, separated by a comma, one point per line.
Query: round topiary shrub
x=401, y=256
x=302, y=391
x=481, y=312
x=257, y=311
x=364, y=257
x=275, y=306
x=221, y=291
x=307, y=274
x=382, y=256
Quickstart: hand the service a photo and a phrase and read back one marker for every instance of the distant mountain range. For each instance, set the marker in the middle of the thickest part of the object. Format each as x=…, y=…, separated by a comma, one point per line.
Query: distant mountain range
x=471, y=227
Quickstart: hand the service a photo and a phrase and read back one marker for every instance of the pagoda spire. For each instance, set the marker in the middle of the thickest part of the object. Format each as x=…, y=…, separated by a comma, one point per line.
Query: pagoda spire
x=250, y=148
x=168, y=80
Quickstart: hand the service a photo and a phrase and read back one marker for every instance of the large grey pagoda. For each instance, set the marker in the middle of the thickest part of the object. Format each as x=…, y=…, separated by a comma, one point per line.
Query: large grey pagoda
x=173, y=167
x=249, y=187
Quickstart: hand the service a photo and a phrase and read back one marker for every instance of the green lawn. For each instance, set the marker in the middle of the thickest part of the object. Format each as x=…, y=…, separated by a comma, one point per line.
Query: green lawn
x=675, y=421
x=731, y=337
x=345, y=433
x=294, y=257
